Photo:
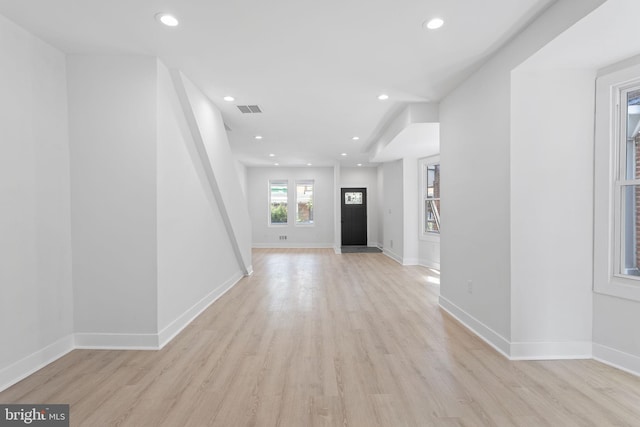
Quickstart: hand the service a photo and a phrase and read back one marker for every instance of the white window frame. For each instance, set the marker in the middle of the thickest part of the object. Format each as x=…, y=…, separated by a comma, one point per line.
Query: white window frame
x=278, y=182
x=313, y=197
x=609, y=128
x=422, y=165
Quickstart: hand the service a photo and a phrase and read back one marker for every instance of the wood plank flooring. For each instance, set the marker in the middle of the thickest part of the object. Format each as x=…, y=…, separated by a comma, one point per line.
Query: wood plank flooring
x=318, y=339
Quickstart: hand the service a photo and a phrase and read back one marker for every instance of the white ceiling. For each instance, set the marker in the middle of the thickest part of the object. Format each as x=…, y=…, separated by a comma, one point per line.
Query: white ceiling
x=314, y=67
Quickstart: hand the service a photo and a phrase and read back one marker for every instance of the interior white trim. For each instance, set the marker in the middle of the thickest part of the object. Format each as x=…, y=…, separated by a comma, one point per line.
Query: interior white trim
x=429, y=264
x=520, y=350
x=394, y=256
x=108, y=341
x=551, y=350
x=174, y=328
x=410, y=261
x=606, y=279
x=34, y=362
x=616, y=358
x=485, y=333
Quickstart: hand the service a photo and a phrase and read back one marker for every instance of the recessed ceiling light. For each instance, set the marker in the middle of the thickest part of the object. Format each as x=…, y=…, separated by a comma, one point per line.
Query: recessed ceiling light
x=276, y=164
x=433, y=24
x=309, y=164
x=355, y=138
x=229, y=98
x=359, y=164
x=272, y=155
x=167, y=19
x=343, y=154
x=258, y=137
x=383, y=97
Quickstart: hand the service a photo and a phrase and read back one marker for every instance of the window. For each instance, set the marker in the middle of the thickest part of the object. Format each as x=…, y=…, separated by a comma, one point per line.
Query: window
x=304, y=202
x=628, y=183
x=278, y=196
x=617, y=185
x=430, y=194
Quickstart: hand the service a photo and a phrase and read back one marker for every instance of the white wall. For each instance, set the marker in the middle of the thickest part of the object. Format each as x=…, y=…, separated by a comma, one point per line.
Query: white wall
x=393, y=211
x=36, y=303
x=112, y=117
x=615, y=337
x=365, y=177
x=196, y=262
x=209, y=133
x=475, y=155
x=552, y=125
x=337, y=210
x=551, y=212
x=380, y=207
x=411, y=211
x=321, y=234
x=615, y=342
x=241, y=171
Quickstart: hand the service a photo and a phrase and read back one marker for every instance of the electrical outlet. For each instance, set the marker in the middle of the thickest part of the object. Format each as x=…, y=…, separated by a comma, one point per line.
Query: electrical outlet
x=469, y=286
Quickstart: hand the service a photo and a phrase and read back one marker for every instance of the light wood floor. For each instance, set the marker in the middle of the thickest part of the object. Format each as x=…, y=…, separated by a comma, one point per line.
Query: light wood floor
x=317, y=339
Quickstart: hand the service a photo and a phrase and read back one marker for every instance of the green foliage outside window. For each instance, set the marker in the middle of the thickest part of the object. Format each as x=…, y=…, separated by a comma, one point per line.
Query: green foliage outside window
x=278, y=213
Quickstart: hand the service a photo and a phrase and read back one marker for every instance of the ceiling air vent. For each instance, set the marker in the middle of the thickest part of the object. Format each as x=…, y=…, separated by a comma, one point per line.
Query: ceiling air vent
x=249, y=109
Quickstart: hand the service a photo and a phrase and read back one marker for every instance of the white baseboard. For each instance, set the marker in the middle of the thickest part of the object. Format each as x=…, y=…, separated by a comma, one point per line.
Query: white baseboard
x=519, y=350
x=616, y=358
x=108, y=341
x=429, y=264
x=293, y=246
x=337, y=250
x=34, y=362
x=551, y=350
x=410, y=261
x=488, y=335
x=174, y=328
x=397, y=258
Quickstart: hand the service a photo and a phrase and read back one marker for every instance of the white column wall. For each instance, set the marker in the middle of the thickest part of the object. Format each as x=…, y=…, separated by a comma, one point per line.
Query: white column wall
x=411, y=206
x=112, y=116
x=475, y=156
x=393, y=210
x=551, y=213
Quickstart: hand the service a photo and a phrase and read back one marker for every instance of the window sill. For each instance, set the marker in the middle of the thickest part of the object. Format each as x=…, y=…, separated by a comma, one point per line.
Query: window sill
x=628, y=289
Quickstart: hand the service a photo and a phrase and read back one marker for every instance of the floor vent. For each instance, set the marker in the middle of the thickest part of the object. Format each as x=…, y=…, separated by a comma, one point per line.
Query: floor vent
x=249, y=109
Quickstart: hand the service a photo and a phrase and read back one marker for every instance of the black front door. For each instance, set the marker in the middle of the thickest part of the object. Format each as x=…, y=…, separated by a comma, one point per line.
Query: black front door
x=354, y=216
